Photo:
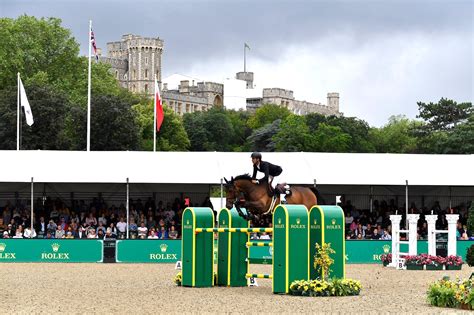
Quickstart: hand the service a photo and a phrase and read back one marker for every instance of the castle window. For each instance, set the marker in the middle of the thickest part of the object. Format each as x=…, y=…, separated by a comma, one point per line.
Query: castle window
x=146, y=73
x=146, y=88
x=134, y=74
x=116, y=74
x=146, y=60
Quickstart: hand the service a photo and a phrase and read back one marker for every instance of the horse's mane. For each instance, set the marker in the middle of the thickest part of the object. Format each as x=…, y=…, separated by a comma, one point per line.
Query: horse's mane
x=243, y=176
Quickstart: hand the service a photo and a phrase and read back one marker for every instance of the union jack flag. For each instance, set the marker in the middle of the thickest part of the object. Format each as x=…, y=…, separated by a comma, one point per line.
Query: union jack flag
x=94, y=46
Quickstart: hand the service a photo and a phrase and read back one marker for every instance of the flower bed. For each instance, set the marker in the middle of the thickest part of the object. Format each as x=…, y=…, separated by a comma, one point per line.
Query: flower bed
x=386, y=259
x=333, y=287
x=424, y=261
x=454, y=294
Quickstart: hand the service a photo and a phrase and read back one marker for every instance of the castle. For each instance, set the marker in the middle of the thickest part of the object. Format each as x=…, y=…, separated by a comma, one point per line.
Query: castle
x=136, y=60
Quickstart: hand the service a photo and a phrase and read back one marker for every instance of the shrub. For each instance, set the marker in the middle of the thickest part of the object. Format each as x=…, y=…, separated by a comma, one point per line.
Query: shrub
x=446, y=293
x=470, y=256
x=318, y=287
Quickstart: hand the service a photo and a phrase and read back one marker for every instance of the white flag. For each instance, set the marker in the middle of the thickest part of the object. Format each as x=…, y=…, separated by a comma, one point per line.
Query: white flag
x=26, y=105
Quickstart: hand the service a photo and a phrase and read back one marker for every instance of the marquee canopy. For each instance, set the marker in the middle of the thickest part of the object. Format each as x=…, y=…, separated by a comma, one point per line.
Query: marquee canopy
x=210, y=167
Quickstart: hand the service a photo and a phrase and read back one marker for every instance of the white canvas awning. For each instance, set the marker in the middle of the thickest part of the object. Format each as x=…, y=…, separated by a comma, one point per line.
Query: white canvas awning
x=210, y=167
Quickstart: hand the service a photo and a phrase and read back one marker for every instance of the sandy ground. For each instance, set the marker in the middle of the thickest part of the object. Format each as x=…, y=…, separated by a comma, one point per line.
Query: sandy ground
x=148, y=288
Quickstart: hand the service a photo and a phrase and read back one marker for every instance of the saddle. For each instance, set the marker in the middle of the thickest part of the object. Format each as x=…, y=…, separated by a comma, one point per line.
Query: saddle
x=283, y=188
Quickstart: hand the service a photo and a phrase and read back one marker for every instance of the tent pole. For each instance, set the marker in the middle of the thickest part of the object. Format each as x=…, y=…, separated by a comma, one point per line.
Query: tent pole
x=128, y=212
x=222, y=193
x=31, y=227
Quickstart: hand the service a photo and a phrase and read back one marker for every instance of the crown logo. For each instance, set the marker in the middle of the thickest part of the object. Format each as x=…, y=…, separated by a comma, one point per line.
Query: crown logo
x=315, y=222
x=163, y=248
x=2, y=247
x=223, y=221
x=187, y=221
x=279, y=220
x=333, y=221
x=298, y=220
x=55, y=247
x=386, y=249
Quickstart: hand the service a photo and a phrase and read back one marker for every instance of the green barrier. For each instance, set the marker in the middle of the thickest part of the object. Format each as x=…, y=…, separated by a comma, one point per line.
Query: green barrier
x=51, y=250
x=148, y=251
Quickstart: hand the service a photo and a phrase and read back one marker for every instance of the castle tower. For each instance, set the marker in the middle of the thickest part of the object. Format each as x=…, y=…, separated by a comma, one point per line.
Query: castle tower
x=247, y=77
x=333, y=101
x=135, y=61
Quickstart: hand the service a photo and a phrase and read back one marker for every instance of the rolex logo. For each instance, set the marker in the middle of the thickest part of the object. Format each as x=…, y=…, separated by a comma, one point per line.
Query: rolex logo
x=55, y=247
x=298, y=220
x=386, y=249
x=2, y=247
x=163, y=248
x=333, y=221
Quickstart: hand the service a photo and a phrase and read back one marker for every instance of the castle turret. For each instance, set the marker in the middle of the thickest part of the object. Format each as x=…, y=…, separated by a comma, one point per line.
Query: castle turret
x=333, y=101
x=247, y=77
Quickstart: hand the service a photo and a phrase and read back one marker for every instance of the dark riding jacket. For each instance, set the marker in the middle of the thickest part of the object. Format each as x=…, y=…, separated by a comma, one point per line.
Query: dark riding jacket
x=266, y=168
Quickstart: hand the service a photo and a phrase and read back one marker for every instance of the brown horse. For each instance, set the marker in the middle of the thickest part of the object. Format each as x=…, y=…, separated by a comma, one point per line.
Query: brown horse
x=256, y=197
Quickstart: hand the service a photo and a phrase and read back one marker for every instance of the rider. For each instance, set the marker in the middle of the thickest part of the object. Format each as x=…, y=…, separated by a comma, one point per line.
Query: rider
x=270, y=170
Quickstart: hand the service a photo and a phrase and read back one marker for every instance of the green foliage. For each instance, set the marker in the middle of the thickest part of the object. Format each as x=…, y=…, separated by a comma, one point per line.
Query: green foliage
x=454, y=294
x=444, y=115
x=293, y=135
x=470, y=253
x=262, y=139
x=333, y=287
x=172, y=135
x=396, y=136
x=331, y=139
x=322, y=260
x=267, y=114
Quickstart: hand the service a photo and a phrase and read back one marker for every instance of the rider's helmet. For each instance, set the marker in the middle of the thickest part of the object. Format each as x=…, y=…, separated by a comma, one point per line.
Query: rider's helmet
x=256, y=155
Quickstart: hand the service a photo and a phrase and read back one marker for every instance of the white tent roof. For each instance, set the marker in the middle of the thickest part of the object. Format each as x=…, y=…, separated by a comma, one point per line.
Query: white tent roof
x=210, y=167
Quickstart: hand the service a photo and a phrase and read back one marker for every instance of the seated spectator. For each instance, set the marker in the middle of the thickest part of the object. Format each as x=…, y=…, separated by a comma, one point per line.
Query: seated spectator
x=59, y=232
x=82, y=231
x=152, y=234
x=51, y=227
x=100, y=234
x=368, y=232
x=6, y=235
x=464, y=237
x=163, y=233
x=109, y=235
x=265, y=236
x=113, y=229
x=151, y=223
x=376, y=235
x=173, y=234
x=101, y=227
x=133, y=227
x=69, y=235
x=18, y=234
x=122, y=226
x=386, y=236
x=10, y=230
x=142, y=230
x=2, y=226
x=41, y=228
x=91, y=220
x=91, y=234
x=63, y=223
x=49, y=235
x=29, y=233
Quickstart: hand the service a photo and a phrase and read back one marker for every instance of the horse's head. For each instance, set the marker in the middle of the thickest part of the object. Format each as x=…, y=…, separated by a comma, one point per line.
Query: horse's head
x=235, y=189
x=232, y=193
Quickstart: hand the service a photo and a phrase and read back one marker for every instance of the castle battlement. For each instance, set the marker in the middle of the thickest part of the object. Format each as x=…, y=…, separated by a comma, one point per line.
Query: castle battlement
x=278, y=92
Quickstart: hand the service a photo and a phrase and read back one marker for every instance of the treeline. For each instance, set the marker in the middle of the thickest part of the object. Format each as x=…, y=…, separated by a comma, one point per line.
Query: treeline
x=55, y=78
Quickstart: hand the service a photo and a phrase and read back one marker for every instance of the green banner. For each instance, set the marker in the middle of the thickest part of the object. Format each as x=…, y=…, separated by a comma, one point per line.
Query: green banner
x=51, y=250
x=148, y=251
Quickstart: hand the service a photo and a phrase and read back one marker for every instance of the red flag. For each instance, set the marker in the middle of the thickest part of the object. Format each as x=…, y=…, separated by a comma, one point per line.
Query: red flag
x=158, y=107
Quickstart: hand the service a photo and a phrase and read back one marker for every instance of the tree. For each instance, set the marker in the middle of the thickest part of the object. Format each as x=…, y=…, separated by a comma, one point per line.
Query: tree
x=267, y=114
x=330, y=139
x=293, y=135
x=444, y=115
x=172, y=135
x=49, y=108
x=470, y=219
x=29, y=45
x=396, y=136
x=209, y=131
x=114, y=125
x=262, y=138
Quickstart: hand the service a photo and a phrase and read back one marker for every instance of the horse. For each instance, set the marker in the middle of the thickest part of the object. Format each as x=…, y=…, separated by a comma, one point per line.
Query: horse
x=256, y=198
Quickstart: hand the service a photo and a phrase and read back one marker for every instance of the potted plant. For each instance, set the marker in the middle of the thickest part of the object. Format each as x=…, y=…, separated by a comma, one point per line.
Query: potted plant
x=434, y=262
x=386, y=259
x=413, y=262
x=453, y=263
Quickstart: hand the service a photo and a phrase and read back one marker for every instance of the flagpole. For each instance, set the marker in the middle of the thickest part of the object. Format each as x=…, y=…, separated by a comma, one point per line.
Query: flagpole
x=18, y=114
x=244, y=60
x=89, y=93
x=154, y=119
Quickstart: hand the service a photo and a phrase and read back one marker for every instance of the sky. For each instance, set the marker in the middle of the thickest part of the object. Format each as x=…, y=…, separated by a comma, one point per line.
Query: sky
x=381, y=56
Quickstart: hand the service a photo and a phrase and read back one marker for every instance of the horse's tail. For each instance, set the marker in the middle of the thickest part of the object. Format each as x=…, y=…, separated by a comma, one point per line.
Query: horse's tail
x=319, y=197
